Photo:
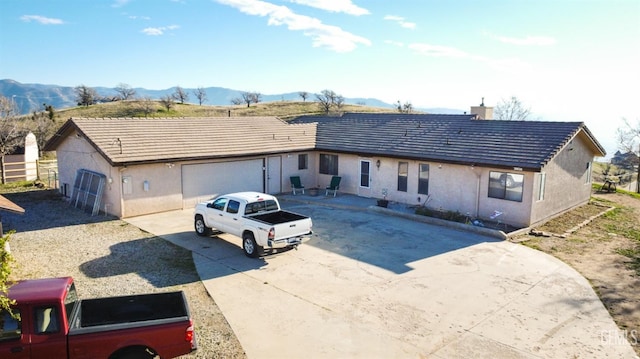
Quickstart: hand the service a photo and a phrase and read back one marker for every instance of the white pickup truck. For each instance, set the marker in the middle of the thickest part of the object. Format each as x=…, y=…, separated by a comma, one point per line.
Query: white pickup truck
x=256, y=218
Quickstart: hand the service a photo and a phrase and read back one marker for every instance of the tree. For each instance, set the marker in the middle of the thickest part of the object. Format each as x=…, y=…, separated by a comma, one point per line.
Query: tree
x=303, y=95
x=629, y=141
x=125, y=91
x=201, y=95
x=338, y=102
x=11, y=135
x=251, y=97
x=511, y=110
x=5, y=271
x=407, y=107
x=326, y=99
x=85, y=96
x=180, y=95
x=147, y=106
x=237, y=101
x=50, y=111
x=168, y=102
x=43, y=125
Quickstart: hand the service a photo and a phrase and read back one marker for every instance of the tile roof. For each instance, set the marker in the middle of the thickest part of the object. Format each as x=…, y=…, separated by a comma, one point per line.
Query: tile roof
x=137, y=140
x=448, y=138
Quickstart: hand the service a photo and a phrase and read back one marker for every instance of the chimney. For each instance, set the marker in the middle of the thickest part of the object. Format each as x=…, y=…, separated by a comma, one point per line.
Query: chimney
x=483, y=112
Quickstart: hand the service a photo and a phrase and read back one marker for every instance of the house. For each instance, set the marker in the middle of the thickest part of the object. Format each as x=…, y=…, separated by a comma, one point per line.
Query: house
x=527, y=171
x=524, y=171
x=628, y=160
x=134, y=166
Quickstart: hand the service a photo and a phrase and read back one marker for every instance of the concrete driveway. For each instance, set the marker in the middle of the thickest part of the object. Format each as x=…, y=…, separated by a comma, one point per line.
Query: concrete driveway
x=369, y=285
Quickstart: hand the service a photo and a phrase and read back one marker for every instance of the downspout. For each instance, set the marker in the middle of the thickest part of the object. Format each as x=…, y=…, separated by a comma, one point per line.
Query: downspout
x=477, y=191
x=477, y=194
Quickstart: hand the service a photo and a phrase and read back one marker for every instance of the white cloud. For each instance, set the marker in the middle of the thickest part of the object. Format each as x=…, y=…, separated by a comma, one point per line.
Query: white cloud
x=508, y=65
x=41, y=19
x=394, y=43
x=401, y=21
x=119, y=3
x=157, y=31
x=345, y=6
x=528, y=41
x=135, y=17
x=438, y=51
x=322, y=35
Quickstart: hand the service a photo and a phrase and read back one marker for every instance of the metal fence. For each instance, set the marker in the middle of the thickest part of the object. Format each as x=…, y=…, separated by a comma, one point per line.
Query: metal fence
x=48, y=173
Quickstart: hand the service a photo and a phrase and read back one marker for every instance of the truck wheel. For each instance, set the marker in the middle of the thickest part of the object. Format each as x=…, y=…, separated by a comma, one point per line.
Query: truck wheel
x=251, y=248
x=201, y=227
x=134, y=353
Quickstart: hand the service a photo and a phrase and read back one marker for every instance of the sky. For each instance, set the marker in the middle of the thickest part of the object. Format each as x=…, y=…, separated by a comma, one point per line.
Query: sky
x=566, y=60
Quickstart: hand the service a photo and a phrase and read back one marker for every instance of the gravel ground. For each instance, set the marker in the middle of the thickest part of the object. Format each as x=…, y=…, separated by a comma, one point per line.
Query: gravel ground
x=109, y=257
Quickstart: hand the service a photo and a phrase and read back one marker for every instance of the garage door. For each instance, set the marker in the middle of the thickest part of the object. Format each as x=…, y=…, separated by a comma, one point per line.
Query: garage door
x=203, y=181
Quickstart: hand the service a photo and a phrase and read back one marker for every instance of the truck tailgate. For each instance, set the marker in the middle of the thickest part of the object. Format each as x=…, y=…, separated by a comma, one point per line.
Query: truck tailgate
x=286, y=224
x=290, y=229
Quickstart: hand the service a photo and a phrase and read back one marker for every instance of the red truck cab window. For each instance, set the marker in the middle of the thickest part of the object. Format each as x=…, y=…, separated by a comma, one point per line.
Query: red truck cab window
x=47, y=320
x=10, y=326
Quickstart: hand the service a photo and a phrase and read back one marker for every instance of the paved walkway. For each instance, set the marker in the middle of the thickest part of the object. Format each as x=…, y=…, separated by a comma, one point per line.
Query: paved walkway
x=371, y=285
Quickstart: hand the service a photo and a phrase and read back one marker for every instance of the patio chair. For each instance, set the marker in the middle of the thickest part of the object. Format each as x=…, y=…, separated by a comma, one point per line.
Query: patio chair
x=296, y=184
x=334, y=185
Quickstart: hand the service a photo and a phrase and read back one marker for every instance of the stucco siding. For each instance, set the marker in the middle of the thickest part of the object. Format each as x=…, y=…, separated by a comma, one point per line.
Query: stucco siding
x=456, y=188
x=151, y=188
x=566, y=184
x=290, y=168
x=76, y=153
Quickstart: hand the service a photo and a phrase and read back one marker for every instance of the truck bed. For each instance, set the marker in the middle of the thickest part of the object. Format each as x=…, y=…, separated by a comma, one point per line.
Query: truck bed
x=130, y=309
x=277, y=217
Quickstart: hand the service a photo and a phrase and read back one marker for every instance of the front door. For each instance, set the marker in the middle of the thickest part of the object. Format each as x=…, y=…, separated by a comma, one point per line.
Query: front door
x=274, y=178
x=364, y=188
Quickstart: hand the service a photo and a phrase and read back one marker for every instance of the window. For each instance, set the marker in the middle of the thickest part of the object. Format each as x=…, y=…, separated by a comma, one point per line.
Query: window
x=46, y=320
x=328, y=164
x=70, y=301
x=219, y=204
x=10, y=327
x=261, y=206
x=233, y=206
x=365, y=166
x=303, y=161
x=506, y=186
x=403, y=175
x=542, y=178
x=423, y=179
x=588, y=179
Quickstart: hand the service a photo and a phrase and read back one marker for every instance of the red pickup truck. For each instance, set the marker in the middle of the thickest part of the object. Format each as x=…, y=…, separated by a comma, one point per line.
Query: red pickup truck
x=50, y=321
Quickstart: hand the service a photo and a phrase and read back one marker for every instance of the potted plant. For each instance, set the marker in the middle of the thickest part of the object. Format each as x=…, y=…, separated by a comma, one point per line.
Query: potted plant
x=383, y=202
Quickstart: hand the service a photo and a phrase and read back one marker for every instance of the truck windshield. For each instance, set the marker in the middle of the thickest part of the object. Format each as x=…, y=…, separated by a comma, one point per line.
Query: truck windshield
x=70, y=301
x=261, y=206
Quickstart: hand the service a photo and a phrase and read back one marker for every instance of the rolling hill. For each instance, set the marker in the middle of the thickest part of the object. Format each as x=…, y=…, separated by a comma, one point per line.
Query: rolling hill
x=31, y=97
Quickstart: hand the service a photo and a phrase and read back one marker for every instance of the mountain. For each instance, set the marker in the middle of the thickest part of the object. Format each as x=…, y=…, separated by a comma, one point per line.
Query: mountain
x=31, y=97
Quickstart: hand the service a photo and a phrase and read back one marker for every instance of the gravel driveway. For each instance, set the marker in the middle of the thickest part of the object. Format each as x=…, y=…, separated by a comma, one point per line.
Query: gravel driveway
x=109, y=257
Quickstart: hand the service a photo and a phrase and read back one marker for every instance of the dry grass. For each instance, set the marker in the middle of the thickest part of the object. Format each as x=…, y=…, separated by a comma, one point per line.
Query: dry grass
x=567, y=221
x=606, y=251
x=282, y=109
